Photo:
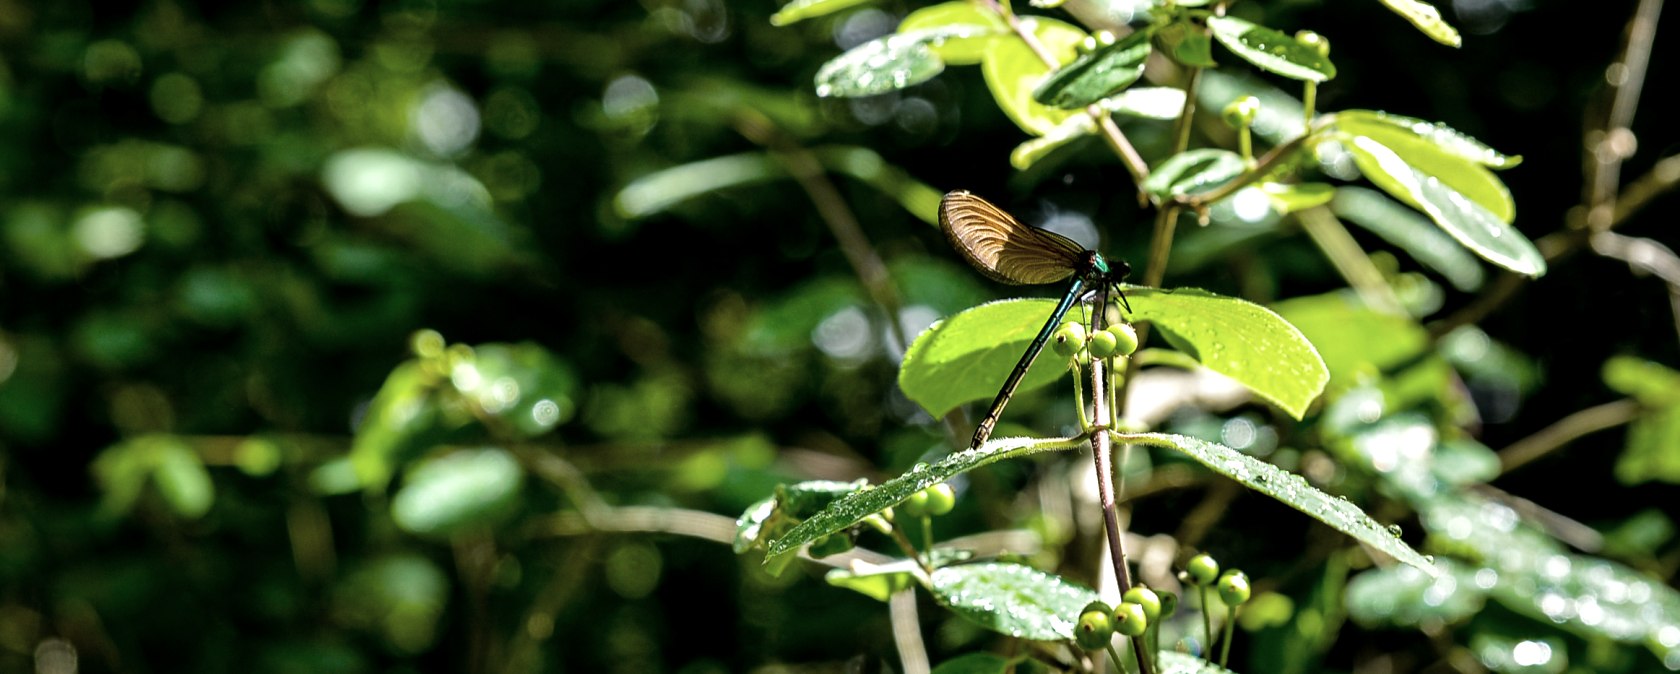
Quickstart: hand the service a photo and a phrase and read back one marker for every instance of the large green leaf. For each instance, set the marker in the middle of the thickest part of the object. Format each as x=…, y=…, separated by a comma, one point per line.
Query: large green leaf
x=1652, y=384
x=1427, y=19
x=774, y=514
x=1406, y=597
x=852, y=508
x=1288, y=488
x=1185, y=43
x=1470, y=177
x=1013, y=599
x=969, y=49
x=1192, y=172
x=1356, y=342
x=1012, y=72
x=465, y=489
x=1448, y=139
x=1147, y=102
x=888, y=63
x=967, y=356
x=1239, y=339
x=1097, y=74
x=1464, y=218
x=800, y=10
x=1416, y=235
x=1271, y=50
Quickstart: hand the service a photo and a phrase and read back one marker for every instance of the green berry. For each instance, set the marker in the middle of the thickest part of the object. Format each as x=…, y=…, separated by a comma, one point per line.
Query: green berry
x=1069, y=338
x=1106, y=38
x=1233, y=588
x=1145, y=597
x=1169, y=604
x=916, y=505
x=1240, y=113
x=1087, y=45
x=1315, y=41
x=1130, y=620
x=881, y=521
x=1202, y=569
x=1095, y=627
x=1104, y=344
x=1126, y=339
x=941, y=498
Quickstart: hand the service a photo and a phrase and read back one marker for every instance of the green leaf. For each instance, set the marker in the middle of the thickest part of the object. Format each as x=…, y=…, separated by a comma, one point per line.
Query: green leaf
x=967, y=356
x=403, y=420
x=885, y=64
x=1165, y=103
x=1030, y=152
x=1416, y=235
x=1403, y=596
x=1013, y=599
x=975, y=663
x=465, y=489
x=1651, y=383
x=1289, y=198
x=880, y=581
x=1174, y=662
x=523, y=385
x=181, y=479
x=791, y=503
x=1290, y=489
x=1271, y=50
x=1653, y=448
x=1193, y=171
x=852, y=508
x=1185, y=44
x=1446, y=138
x=1427, y=19
x=800, y=10
x=1465, y=219
x=1458, y=174
x=1239, y=339
x=958, y=51
x=1012, y=72
x=1356, y=342
x=1097, y=74
x=662, y=189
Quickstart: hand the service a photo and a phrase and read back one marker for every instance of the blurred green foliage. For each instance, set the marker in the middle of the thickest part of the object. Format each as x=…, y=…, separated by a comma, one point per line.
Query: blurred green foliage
x=451, y=336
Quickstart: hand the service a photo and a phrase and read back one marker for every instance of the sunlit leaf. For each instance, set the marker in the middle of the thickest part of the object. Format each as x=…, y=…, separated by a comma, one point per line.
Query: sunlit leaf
x=1446, y=138
x=1271, y=50
x=1034, y=149
x=771, y=516
x=1403, y=596
x=1407, y=230
x=465, y=489
x=1355, y=341
x=1464, y=218
x=1288, y=198
x=1012, y=599
x=1147, y=102
x=967, y=356
x=1427, y=19
x=986, y=25
x=887, y=63
x=660, y=190
x=1241, y=340
x=852, y=508
x=1193, y=171
x=1097, y=74
x=1013, y=71
x=800, y=10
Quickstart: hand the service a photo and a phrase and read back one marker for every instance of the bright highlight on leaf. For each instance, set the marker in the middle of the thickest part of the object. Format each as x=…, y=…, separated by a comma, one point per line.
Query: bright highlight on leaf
x=1427, y=19
x=1270, y=50
x=800, y=10
x=1013, y=599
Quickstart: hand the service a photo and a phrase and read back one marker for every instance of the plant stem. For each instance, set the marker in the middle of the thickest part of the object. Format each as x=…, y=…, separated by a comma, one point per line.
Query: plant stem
x=1230, y=626
x=1207, y=618
x=1309, y=103
x=1181, y=129
x=927, y=535
x=1119, y=663
x=1563, y=431
x=910, y=550
x=1102, y=448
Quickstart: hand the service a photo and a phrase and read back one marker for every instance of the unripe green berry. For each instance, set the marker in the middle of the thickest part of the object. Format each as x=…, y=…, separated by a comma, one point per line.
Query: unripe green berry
x=1239, y=114
x=1315, y=41
x=1233, y=588
x=881, y=521
x=1069, y=338
x=1087, y=45
x=1202, y=569
x=941, y=498
x=1104, y=344
x=1095, y=627
x=1145, y=597
x=916, y=505
x=1126, y=339
x=1129, y=619
x=1106, y=38
x=1169, y=604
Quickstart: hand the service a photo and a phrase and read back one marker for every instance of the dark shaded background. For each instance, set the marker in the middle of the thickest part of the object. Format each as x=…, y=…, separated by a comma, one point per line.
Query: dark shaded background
x=173, y=259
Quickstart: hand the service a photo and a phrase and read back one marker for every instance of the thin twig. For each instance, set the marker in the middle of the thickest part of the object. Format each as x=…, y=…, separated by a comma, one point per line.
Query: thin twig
x=1566, y=430
x=907, y=632
x=1562, y=527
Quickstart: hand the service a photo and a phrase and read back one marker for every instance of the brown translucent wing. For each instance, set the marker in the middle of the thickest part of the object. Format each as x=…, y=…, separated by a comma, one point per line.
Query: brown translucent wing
x=1003, y=248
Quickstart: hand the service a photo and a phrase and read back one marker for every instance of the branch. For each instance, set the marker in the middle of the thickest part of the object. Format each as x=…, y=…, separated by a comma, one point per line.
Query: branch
x=1566, y=430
